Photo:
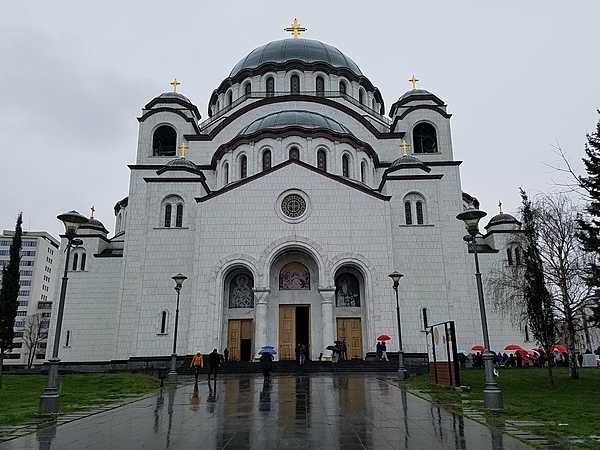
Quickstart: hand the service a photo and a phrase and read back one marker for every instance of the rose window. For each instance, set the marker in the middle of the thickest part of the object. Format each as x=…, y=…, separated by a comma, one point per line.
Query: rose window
x=293, y=205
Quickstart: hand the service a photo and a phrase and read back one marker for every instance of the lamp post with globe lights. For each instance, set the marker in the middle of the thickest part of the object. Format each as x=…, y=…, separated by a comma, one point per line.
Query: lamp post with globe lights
x=492, y=395
x=172, y=375
x=49, y=400
x=402, y=372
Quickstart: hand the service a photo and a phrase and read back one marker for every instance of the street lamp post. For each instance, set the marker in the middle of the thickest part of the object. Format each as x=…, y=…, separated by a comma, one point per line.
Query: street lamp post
x=172, y=375
x=402, y=372
x=49, y=400
x=492, y=395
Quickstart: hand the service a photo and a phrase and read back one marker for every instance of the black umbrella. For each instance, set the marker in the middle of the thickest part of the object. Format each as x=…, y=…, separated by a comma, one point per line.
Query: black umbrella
x=333, y=348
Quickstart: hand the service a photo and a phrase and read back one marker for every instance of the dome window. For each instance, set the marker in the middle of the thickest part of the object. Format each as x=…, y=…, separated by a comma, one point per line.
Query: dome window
x=320, y=86
x=229, y=98
x=164, y=141
x=343, y=88
x=424, y=138
x=243, y=167
x=266, y=160
x=270, y=86
x=363, y=171
x=248, y=89
x=322, y=160
x=361, y=96
x=295, y=84
x=294, y=153
x=346, y=166
x=225, y=173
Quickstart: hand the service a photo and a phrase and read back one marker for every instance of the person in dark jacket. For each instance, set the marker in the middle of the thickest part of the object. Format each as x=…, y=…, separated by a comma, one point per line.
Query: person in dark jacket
x=214, y=359
x=266, y=360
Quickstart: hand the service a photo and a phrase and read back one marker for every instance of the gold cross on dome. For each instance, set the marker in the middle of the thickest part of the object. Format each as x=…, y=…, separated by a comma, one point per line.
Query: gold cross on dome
x=295, y=29
x=175, y=83
x=404, y=146
x=500, y=206
x=93, y=210
x=413, y=80
x=183, y=147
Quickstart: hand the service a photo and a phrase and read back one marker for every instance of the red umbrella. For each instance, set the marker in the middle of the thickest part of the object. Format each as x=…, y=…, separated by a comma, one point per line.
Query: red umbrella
x=559, y=348
x=384, y=337
x=478, y=348
x=513, y=347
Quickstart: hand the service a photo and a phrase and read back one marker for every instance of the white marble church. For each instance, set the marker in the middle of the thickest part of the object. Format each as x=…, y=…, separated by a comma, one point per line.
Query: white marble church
x=286, y=208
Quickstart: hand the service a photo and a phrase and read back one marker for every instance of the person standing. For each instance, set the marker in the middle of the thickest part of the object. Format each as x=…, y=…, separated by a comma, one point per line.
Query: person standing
x=213, y=364
x=344, y=350
x=266, y=360
x=301, y=354
x=378, y=351
x=226, y=355
x=197, y=364
x=384, y=356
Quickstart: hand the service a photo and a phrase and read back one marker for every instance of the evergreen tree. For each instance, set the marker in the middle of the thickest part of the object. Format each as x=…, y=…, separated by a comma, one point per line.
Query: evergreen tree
x=537, y=297
x=9, y=293
x=589, y=234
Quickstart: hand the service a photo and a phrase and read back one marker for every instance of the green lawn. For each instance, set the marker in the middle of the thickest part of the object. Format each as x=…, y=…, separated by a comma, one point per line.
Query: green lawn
x=20, y=394
x=529, y=396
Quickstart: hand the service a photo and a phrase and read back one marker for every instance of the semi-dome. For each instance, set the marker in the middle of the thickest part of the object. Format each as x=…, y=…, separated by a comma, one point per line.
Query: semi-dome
x=303, y=50
x=298, y=118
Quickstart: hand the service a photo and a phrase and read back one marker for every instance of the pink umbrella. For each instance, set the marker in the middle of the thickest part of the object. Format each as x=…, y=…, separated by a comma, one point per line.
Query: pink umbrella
x=559, y=348
x=513, y=347
x=478, y=348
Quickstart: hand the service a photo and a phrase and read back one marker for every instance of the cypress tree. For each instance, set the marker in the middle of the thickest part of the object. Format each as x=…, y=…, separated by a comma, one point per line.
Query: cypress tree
x=9, y=293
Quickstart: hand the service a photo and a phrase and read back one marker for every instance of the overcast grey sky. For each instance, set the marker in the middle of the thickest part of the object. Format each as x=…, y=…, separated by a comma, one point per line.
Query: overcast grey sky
x=518, y=77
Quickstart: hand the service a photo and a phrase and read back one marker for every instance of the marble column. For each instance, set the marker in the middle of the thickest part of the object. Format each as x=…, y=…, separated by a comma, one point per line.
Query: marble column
x=327, y=298
x=260, y=318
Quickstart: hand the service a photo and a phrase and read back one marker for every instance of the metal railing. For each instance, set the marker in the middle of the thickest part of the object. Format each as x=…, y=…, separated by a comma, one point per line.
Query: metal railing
x=325, y=94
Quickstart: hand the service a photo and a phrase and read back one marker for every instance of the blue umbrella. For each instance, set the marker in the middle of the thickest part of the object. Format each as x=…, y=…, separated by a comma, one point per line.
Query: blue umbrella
x=267, y=349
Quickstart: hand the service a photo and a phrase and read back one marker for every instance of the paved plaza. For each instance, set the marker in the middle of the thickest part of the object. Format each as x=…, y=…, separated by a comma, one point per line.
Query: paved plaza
x=358, y=411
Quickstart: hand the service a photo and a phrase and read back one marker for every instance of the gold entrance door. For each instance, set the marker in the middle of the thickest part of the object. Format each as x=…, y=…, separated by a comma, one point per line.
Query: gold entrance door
x=287, y=332
x=239, y=339
x=350, y=330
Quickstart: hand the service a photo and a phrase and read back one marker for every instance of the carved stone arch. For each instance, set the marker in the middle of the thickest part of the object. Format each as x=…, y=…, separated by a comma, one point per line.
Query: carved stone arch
x=361, y=263
x=295, y=144
x=229, y=262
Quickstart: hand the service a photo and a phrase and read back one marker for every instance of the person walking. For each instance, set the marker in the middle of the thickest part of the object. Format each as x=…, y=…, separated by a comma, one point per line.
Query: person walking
x=226, y=355
x=266, y=360
x=344, y=350
x=384, y=356
x=301, y=354
x=197, y=364
x=378, y=351
x=213, y=364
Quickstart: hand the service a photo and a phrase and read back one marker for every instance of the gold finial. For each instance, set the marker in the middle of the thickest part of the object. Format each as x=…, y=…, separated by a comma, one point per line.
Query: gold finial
x=93, y=210
x=295, y=29
x=413, y=80
x=404, y=146
x=183, y=147
x=500, y=206
x=175, y=83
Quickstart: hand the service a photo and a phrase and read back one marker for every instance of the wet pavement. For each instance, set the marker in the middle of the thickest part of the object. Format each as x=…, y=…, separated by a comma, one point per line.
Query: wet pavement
x=322, y=411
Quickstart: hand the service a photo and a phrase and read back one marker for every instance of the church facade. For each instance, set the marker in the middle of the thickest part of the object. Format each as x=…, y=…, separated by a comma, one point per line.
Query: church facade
x=286, y=209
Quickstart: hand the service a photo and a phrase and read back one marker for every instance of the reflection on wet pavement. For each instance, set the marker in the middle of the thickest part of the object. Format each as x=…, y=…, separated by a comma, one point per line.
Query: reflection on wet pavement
x=357, y=411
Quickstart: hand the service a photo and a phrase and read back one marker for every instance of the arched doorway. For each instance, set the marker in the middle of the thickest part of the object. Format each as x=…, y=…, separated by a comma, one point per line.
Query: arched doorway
x=349, y=309
x=239, y=313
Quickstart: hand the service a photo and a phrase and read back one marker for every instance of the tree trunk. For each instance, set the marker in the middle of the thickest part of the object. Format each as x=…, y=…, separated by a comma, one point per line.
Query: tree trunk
x=1, y=365
x=550, y=359
x=573, y=372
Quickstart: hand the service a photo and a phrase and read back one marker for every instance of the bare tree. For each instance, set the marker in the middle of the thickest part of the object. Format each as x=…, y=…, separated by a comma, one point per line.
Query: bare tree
x=33, y=333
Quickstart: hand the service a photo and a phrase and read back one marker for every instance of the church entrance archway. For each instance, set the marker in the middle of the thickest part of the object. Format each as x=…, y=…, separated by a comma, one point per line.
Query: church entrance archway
x=350, y=309
x=239, y=314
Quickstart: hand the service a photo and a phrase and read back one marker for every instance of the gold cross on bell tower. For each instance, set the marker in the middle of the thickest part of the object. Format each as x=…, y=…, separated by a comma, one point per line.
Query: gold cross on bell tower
x=413, y=80
x=183, y=148
x=295, y=29
x=93, y=210
x=175, y=83
x=500, y=206
x=404, y=146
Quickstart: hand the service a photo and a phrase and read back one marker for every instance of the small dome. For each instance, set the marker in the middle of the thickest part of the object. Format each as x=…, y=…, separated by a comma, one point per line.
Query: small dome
x=415, y=93
x=502, y=219
x=303, y=119
x=175, y=95
x=408, y=162
x=302, y=50
x=94, y=224
x=181, y=162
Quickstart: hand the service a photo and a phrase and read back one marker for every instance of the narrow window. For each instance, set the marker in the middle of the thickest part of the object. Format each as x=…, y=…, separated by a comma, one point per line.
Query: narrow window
x=424, y=138
x=75, y=260
x=229, y=98
x=408, y=213
x=270, y=86
x=363, y=172
x=320, y=86
x=509, y=256
x=322, y=160
x=83, y=258
x=266, y=160
x=294, y=153
x=163, y=322
x=226, y=173
x=168, y=215
x=248, y=89
x=343, y=87
x=419, y=208
x=68, y=338
x=361, y=97
x=243, y=167
x=179, y=216
x=517, y=256
x=346, y=166
x=295, y=84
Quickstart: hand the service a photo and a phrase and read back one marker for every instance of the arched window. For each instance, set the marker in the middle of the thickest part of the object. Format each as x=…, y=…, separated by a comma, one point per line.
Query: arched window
x=243, y=167
x=229, y=98
x=509, y=256
x=226, y=173
x=75, y=261
x=270, y=86
x=518, y=256
x=346, y=166
x=320, y=86
x=179, y=215
x=294, y=276
x=361, y=96
x=295, y=84
x=347, y=290
x=408, y=213
x=424, y=138
x=363, y=171
x=419, y=208
x=164, y=141
x=241, y=293
x=266, y=160
x=168, y=210
x=343, y=88
x=294, y=153
x=83, y=258
x=322, y=160
x=163, y=322
x=248, y=88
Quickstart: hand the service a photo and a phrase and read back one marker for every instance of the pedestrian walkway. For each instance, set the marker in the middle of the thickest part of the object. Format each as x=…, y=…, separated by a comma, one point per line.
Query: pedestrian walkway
x=355, y=411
